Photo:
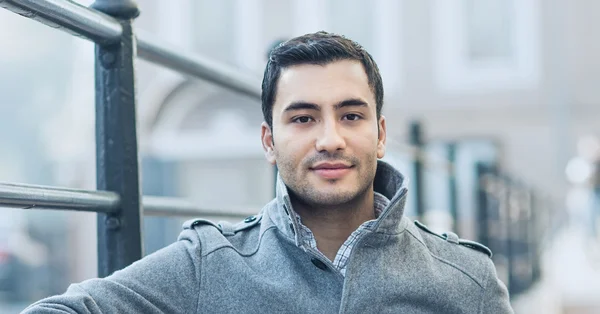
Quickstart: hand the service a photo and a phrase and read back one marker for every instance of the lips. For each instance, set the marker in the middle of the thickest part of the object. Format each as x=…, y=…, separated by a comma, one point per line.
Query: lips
x=332, y=170
x=331, y=166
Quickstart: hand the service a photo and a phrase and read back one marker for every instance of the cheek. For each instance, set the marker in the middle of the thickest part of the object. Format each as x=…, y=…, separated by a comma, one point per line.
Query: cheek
x=365, y=144
x=288, y=152
x=293, y=144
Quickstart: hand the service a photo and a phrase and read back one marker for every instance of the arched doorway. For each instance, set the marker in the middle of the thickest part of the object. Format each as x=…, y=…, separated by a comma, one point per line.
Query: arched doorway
x=202, y=142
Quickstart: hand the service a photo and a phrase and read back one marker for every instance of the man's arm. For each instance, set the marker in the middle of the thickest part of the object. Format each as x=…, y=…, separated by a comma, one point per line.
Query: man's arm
x=166, y=281
x=495, y=297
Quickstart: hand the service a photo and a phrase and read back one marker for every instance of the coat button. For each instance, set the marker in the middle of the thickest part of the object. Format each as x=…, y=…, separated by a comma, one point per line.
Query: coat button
x=250, y=219
x=320, y=265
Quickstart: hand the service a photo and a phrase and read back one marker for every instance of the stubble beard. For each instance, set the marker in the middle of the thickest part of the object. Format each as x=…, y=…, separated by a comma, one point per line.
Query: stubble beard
x=303, y=191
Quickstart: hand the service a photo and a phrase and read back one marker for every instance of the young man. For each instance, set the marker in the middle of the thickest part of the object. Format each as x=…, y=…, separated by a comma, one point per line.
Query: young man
x=334, y=240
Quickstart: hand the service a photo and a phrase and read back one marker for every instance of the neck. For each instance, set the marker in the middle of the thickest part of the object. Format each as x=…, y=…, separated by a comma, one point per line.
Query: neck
x=332, y=225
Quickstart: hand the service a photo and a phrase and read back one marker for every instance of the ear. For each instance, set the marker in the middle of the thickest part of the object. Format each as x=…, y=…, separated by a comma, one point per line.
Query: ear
x=266, y=136
x=381, y=138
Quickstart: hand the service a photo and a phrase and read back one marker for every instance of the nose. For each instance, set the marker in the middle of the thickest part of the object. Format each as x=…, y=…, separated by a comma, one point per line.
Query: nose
x=330, y=139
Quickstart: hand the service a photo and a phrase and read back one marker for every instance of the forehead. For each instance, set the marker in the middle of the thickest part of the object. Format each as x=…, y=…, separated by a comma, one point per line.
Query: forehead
x=323, y=84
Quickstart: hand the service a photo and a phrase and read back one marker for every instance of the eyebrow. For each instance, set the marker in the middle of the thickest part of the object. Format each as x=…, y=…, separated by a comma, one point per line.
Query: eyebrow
x=302, y=105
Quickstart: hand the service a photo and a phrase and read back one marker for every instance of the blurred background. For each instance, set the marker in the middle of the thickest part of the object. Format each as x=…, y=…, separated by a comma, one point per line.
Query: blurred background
x=492, y=109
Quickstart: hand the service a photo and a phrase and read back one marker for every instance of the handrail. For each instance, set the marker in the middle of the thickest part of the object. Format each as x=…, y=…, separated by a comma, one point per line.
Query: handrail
x=27, y=196
x=39, y=197
x=103, y=29
x=165, y=54
x=167, y=206
x=69, y=16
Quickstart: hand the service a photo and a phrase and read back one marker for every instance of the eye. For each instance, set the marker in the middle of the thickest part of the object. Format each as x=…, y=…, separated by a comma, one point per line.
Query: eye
x=352, y=117
x=302, y=119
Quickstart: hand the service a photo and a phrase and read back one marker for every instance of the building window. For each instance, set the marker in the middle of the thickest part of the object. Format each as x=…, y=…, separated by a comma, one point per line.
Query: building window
x=353, y=19
x=486, y=45
x=489, y=29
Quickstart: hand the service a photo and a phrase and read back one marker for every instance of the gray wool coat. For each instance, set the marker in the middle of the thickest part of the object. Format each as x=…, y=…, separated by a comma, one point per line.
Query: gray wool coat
x=259, y=266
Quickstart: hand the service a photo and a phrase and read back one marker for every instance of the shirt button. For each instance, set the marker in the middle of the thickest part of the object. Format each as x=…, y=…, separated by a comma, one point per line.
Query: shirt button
x=320, y=265
x=250, y=219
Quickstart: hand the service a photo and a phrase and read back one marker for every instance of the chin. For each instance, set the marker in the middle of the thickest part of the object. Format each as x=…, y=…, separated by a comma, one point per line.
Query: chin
x=331, y=197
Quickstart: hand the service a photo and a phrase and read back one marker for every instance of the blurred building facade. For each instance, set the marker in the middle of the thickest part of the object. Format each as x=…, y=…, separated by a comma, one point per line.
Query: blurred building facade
x=509, y=81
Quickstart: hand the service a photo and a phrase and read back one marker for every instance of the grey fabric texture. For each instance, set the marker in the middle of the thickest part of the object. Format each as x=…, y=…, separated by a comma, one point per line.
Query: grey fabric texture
x=259, y=267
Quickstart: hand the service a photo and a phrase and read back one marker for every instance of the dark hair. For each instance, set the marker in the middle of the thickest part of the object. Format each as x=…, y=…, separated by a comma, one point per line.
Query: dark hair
x=318, y=48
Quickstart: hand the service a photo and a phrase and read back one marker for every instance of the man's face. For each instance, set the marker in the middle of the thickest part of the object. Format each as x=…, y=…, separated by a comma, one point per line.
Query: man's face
x=325, y=138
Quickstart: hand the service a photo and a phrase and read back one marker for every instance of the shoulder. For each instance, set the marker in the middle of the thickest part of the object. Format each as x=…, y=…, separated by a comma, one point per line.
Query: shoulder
x=469, y=257
x=240, y=236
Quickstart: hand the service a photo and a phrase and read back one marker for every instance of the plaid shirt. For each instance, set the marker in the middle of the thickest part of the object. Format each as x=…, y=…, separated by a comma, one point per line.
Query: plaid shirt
x=341, y=258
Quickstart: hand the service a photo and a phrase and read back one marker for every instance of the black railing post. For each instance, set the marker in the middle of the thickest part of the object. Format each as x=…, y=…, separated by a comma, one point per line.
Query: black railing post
x=535, y=235
x=416, y=140
x=483, y=203
x=511, y=237
x=452, y=185
x=117, y=162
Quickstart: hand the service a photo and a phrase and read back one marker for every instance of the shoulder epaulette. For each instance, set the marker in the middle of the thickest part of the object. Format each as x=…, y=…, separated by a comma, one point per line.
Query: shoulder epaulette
x=229, y=229
x=190, y=224
x=453, y=238
x=225, y=227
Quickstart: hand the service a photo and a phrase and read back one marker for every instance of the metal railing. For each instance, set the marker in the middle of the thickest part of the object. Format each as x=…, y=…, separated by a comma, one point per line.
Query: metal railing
x=515, y=224
x=117, y=201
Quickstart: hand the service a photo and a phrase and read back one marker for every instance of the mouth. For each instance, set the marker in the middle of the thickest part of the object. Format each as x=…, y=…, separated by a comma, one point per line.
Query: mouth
x=329, y=170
